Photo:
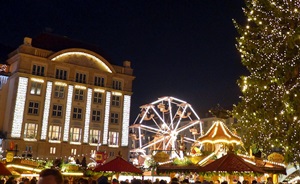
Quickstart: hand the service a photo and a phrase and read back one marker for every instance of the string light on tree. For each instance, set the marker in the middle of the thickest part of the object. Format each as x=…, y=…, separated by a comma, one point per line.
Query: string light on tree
x=269, y=48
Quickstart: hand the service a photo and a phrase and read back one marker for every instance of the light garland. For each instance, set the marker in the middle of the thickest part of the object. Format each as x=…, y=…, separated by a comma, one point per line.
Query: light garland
x=46, y=110
x=269, y=47
x=60, y=84
x=68, y=113
x=19, y=108
x=125, y=123
x=106, y=117
x=67, y=54
x=87, y=116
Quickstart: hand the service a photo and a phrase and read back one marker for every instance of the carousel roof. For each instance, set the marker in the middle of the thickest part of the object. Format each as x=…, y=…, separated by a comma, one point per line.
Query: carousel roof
x=219, y=133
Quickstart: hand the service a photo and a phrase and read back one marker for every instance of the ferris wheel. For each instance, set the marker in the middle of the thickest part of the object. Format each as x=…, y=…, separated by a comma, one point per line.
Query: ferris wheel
x=167, y=124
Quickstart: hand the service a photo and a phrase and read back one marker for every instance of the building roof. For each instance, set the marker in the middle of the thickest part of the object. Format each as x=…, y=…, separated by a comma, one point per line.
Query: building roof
x=219, y=133
x=57, y=43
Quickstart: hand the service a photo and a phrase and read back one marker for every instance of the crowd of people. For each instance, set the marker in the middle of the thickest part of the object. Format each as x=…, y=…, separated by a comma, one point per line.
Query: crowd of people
x=53, y=176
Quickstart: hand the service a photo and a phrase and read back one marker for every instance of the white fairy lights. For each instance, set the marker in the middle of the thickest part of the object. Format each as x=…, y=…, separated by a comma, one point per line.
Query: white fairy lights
x=68, y=113
x=106, y=117
x=19, y=108
x=46, y=110
x=66, y=54
x=125, y=124
x=87, y=116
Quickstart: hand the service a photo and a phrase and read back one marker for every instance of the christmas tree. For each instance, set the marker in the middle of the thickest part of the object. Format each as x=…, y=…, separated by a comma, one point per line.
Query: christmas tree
x=269, y=111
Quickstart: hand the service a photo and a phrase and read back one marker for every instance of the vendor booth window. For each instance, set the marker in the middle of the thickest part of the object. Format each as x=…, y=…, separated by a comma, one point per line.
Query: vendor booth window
x=113, y=139
x=54, y=132
x=94, y=136
x=75, y=134
x=30, y=131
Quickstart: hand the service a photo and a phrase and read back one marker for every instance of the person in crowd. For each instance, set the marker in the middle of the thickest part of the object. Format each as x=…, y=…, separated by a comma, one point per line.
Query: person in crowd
x=115, y=181
x=162, y=182
x=245, y=182
x=11, y=180
x=33, y=180
x=102, y=180
x=269, y=180
x=174, y=180
x=224, y=182
x=186, y=181
x=156, y=181
x=50, y=176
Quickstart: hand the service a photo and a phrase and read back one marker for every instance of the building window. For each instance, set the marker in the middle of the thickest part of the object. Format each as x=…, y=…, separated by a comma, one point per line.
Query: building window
x=80, y=77
x=33, y=108
x=75, y=134
x=97, y=97
x=94, y=136
x=73, y=151
x=52, y=150
x=99, y=81
x=54, y=132
x=111, y=153
x=61, y=74
x=96, y=116
x=115, y=100
x=113, y=138
x=59, y=91
x=79, y=94
x=30, y=130
x=93, y=152
x=117, y=85
x=38, y=70
x=114, y=118
x=77, y=113
x=36, y=88
x=57, y=110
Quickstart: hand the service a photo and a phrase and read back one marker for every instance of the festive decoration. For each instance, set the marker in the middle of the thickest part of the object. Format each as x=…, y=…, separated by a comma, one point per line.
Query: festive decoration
x=162, y=126
x=269, y=110
x=276, y=157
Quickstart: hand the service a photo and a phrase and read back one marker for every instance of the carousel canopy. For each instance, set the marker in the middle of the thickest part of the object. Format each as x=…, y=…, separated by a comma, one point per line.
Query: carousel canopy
x=231, y=163
x=118, y=165
x=219, y=133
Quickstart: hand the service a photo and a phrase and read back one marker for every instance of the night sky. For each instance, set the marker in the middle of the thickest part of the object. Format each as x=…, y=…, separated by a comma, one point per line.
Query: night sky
x=180, y=48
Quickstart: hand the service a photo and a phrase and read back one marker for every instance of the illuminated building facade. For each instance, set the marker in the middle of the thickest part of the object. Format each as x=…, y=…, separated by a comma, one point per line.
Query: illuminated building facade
x=61, y=98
